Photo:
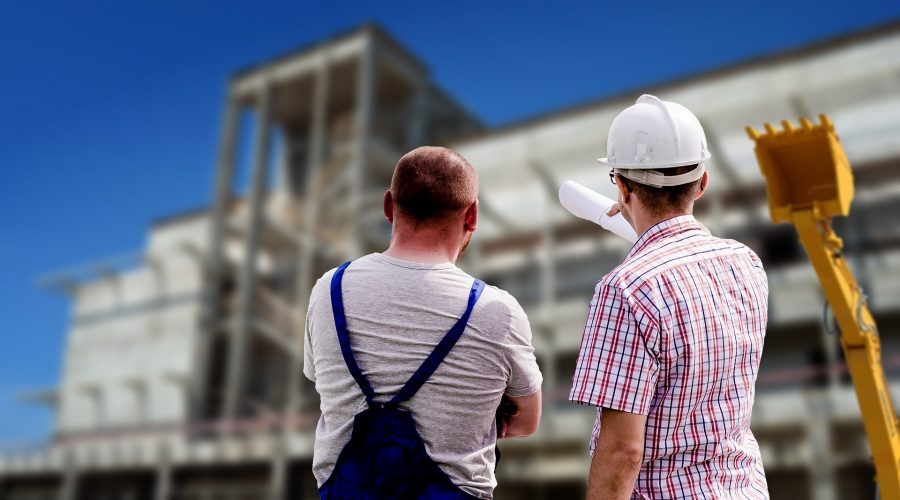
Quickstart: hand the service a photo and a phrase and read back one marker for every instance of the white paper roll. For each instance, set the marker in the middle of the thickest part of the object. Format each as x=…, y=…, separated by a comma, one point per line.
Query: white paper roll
x=591, y=205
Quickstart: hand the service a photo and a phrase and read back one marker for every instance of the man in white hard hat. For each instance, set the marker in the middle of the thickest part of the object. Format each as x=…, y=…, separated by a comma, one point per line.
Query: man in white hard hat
x=673, y=339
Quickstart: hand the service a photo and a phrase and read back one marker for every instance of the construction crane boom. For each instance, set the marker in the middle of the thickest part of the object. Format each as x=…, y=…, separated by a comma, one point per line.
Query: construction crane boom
x=809, y=181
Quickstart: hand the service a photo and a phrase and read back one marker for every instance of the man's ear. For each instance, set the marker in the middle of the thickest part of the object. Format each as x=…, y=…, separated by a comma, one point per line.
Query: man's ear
x=470, y=221
x=624, y=193
x=389, y=206
x=704, y=183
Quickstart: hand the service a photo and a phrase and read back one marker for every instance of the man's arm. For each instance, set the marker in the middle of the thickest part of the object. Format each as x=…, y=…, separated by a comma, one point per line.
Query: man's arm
x=519, y=417
x=519, y=412
x=617, y=455
x=617, y=372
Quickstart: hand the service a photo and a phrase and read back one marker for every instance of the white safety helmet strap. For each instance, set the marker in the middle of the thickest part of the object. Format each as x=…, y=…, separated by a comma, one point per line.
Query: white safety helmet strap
x=657, y=179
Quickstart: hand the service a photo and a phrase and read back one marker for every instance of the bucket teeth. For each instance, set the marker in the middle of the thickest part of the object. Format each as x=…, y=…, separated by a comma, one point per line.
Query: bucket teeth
x=788, y=128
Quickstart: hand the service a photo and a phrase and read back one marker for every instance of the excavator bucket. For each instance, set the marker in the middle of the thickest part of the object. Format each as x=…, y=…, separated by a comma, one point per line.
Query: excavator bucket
x=804, y=167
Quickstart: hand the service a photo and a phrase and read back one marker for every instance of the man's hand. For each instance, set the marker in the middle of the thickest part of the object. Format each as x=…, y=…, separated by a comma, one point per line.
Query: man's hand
x=518, y=417
x=618, y=454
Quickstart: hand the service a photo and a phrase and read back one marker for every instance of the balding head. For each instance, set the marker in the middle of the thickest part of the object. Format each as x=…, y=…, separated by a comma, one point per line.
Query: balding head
x=432, y=184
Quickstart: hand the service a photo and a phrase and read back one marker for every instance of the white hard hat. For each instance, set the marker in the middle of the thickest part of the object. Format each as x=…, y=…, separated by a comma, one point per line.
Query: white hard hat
x=654, y=134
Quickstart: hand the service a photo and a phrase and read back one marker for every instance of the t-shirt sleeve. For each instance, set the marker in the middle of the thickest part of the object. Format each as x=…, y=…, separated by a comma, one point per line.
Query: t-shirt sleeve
x=309, y=368
x=615, y=368
x=525, y=375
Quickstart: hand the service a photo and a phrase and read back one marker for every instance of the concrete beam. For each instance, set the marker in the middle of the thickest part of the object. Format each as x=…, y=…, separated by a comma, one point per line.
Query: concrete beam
x=248, y=87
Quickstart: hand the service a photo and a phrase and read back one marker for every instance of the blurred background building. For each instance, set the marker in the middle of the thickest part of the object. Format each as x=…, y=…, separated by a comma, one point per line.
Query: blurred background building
x=182, y=378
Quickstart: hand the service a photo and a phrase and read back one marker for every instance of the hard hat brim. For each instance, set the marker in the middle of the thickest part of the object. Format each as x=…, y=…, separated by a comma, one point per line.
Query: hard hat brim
x=646, y=166
x=656, y=178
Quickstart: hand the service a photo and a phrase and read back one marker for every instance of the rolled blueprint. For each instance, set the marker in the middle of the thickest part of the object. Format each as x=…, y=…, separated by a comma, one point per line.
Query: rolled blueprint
x=591, y=205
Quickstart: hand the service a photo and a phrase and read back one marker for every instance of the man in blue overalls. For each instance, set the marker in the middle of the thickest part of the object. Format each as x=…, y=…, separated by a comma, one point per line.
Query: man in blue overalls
x=412, y=356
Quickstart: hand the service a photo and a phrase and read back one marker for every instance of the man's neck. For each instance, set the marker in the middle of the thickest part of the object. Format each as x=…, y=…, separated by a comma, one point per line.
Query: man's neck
x=642, y=224
x=421, y=253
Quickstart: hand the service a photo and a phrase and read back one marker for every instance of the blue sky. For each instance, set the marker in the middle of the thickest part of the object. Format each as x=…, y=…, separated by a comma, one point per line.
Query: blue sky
x=109, y=111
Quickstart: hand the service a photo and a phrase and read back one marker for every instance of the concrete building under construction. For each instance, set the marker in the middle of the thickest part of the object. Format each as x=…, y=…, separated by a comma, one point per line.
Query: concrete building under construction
x=182, y=371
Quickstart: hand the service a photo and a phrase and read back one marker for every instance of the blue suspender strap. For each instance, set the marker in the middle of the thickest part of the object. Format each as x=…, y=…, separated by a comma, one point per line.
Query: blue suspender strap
x=440, y=352
x=340, y=324
x=428, y=367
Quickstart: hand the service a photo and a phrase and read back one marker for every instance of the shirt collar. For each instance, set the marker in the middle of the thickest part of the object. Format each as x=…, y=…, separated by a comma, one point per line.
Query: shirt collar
x=664, y=229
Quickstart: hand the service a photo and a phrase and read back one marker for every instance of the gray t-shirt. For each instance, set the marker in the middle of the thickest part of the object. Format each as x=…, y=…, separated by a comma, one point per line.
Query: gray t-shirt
x=397, y=312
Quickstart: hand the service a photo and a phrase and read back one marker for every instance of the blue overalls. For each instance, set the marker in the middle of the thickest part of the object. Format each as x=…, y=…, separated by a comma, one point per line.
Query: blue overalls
x=386, y=458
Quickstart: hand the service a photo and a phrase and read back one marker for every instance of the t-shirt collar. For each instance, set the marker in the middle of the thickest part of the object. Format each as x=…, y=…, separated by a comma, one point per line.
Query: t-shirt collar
x=412, y=265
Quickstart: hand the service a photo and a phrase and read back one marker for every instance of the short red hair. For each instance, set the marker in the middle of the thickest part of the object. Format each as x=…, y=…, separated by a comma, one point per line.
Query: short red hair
x=432, y=183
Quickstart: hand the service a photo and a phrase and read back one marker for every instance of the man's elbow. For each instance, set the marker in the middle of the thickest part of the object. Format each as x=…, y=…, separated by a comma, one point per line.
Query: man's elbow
x=527, y=416
x=530, y=426
x=621, y=437
x=627, y=453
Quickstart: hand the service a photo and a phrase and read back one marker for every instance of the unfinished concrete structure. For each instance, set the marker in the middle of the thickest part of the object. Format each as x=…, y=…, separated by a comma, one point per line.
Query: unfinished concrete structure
x=182, y=376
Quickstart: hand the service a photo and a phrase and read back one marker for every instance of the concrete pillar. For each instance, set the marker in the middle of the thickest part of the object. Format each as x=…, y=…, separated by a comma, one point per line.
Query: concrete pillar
x=365, y=102
x=822, y=467
x=279, y=475
x=550, y=371
x=856, y=239
x=155, y=265
x=237, y=355
x=715, y=221
x=418, y=116
x=730, y=176
x=548, y=261
x=830, y=347
x=98, y=407
x=547, y=252
x=547, y=257
x=475, y=256
x=305, y=277
x=218, y=219
x=69, y=488
x=112, y=278
x=163, y=489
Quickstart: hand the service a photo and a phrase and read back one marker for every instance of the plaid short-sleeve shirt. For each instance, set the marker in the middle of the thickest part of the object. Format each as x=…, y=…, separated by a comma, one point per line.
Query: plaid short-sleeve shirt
x=676, y=333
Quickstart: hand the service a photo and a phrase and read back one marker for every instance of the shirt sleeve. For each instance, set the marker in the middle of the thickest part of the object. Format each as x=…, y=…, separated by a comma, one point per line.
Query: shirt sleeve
x=615, y=368
x=525, y=376
x=309, y=368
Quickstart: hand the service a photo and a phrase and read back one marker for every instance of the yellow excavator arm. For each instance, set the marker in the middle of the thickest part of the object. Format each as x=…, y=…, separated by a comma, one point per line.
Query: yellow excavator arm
x=809, y=181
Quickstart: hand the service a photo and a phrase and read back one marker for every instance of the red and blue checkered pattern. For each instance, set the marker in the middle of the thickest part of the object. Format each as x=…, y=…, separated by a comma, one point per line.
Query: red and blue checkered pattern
x=676, y=333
